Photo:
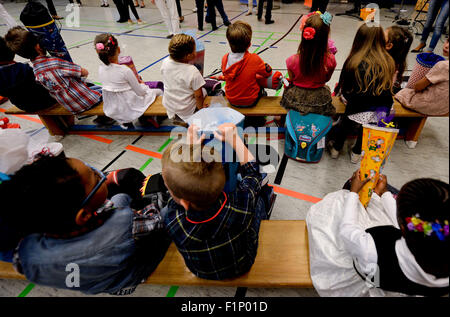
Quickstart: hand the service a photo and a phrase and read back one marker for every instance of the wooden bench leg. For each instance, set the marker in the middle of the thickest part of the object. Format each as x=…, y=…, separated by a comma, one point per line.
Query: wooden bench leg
x=240, y=292
x=414, y=130
x=57, y=125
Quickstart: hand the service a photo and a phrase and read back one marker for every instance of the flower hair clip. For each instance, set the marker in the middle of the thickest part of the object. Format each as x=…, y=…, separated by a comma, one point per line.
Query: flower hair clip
x=416, y=224
x=99, y=46
x=309, y=33
x=326, y=18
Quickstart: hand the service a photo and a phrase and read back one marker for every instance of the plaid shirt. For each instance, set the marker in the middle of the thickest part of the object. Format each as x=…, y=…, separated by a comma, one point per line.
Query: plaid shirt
x=63, y=80
x=226, y=246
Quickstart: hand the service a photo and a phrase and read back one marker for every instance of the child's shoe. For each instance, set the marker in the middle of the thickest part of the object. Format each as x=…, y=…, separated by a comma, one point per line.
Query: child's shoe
x=354, y=158
x=333, y=152
x=104, y=120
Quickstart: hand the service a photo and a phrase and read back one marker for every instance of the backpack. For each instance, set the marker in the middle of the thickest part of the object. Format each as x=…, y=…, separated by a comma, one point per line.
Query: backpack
x=305, y=136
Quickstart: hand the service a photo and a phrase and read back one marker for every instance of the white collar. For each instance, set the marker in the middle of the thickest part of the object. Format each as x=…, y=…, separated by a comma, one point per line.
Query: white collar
x=412, y=269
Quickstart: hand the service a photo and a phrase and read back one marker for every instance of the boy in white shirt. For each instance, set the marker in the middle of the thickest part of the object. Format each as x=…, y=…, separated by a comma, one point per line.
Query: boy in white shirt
x=183, y=83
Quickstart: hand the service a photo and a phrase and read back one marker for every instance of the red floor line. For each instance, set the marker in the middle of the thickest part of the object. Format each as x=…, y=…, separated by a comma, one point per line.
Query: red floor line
x=24, y=117
x=143, y=151
x=97, y=138
x=295, y=194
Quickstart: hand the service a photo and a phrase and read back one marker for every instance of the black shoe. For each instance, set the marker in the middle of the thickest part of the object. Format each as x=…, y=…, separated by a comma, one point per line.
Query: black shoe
x=106, y=5
x=214, y=28
x=259, y=18
x=121, y=21
x=227, y=23
x=200, y=29
x=269, y=21
x=104, y=121
x=102, y=5
x=169, y=36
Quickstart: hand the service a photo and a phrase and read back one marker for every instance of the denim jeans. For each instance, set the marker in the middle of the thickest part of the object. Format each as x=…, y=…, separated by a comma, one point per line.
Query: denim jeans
x=433, y=10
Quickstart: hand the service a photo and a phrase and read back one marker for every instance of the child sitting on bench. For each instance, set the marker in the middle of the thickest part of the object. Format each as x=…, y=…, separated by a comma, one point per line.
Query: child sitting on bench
x=430, y=94
x=63, y=80
x=241, y=69
x=216, y=233
x=125, y=98
x=61, y=207
x=183, y=82
x=391, y=248
x=17, y=83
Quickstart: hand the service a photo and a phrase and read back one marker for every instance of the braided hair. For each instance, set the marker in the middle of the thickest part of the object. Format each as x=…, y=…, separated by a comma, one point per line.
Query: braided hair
x=426, y=201
x=106, y=46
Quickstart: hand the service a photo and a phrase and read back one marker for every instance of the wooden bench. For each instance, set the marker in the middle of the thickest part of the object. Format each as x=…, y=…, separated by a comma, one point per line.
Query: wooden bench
x=282, y=261
x=59, y=121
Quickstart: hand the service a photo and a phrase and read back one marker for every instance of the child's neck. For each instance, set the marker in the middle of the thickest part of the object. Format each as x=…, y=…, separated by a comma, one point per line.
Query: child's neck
x=114, y=60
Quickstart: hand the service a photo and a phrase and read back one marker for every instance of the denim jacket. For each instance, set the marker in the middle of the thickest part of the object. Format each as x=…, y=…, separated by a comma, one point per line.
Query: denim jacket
x=108, y=259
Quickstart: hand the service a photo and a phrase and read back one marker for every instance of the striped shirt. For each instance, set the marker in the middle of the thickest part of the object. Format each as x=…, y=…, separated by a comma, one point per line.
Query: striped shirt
x=226, y=246
x=63, y=81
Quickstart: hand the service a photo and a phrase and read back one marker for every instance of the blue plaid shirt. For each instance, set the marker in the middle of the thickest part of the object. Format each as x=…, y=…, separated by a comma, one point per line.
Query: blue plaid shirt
x=226, y=246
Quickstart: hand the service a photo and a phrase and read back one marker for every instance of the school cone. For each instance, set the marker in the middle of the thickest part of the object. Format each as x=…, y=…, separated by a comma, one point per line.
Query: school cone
x=308, y=3
x=377, y=144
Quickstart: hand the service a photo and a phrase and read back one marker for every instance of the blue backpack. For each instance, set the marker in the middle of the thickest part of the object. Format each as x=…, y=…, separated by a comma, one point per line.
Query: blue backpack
x=305, y=136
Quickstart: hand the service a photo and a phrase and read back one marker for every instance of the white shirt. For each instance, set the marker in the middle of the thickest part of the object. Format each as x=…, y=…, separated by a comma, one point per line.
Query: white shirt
x=233, y=58
x=124, y=98
x=362, y=247
x=180, y=82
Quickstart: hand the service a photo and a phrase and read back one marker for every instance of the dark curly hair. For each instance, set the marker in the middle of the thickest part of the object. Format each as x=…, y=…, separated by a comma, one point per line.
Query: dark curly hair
x=428, y=198
x=43, y=197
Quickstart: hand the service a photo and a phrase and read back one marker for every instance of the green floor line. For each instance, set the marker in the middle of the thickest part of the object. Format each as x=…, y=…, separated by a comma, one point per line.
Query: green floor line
x=142, y=168
x=26, y=290
x=172, y=291
x=265, y=41
x=165, y=144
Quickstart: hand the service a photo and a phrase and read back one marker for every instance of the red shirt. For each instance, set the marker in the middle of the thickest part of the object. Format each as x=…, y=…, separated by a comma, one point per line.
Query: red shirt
x=242, y=88
x=315, y=81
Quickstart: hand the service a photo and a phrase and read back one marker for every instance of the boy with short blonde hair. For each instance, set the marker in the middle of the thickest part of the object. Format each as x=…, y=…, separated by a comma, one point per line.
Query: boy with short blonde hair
x=216, y=232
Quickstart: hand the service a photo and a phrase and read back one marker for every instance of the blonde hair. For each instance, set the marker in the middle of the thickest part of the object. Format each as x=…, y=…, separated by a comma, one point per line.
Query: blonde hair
x=180, y=46
x=239, y=36
x=369, y=47
x=192, y=179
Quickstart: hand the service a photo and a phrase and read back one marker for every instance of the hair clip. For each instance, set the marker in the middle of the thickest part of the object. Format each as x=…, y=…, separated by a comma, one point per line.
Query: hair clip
x=308, y=33
x=110, y=40
x=99, y=46
x=418, y=225
x=326, y=18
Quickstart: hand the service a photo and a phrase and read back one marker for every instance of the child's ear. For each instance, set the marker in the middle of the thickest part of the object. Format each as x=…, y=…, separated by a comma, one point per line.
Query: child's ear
x=82, y=217
x=118, y=49
x=389, y=46
x=185, y=204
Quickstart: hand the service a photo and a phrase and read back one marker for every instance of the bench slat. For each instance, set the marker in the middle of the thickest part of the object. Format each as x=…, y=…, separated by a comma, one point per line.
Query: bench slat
x=282, y=261
x=266, y=106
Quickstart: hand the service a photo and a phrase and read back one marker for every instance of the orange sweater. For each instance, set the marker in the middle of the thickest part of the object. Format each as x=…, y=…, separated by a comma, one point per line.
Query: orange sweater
x=241, y=86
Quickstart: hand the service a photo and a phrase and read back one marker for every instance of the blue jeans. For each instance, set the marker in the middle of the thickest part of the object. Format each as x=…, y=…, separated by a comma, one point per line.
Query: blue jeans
x=6, y=256
x=433, y=10
x=219, y=5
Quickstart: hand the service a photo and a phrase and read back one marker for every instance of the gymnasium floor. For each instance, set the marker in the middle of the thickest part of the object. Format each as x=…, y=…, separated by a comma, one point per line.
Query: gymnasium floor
x=148, y=47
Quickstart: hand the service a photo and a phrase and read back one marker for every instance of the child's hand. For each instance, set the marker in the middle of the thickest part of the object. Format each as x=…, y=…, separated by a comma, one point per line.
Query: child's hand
x=226, y=132
x=192, y=135
x=381, y=186
x=152, y=1
x=84, y=72
x=356, y=183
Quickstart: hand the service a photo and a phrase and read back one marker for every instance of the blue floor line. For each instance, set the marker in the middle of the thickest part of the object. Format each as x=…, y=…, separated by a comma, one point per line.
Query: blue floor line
x=197, y=39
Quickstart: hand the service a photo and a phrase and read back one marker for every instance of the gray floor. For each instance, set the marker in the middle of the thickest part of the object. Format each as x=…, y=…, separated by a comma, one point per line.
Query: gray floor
x=147, y=45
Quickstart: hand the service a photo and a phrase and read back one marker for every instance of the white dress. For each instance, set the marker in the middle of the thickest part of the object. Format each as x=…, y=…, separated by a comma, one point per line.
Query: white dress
x=124, y=98
x=336, y=231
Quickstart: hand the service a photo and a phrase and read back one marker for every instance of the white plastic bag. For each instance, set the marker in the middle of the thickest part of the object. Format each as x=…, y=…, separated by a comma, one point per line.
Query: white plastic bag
x=209, y=119
x=13, y=150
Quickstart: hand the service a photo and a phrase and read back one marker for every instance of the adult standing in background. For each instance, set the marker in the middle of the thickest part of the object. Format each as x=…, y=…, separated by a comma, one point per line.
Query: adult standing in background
x=52, y=10
x=168, y=10
x=319, y=5
x=268, y=16
x=6, y=17
x=123, y=11
x=436, y=6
